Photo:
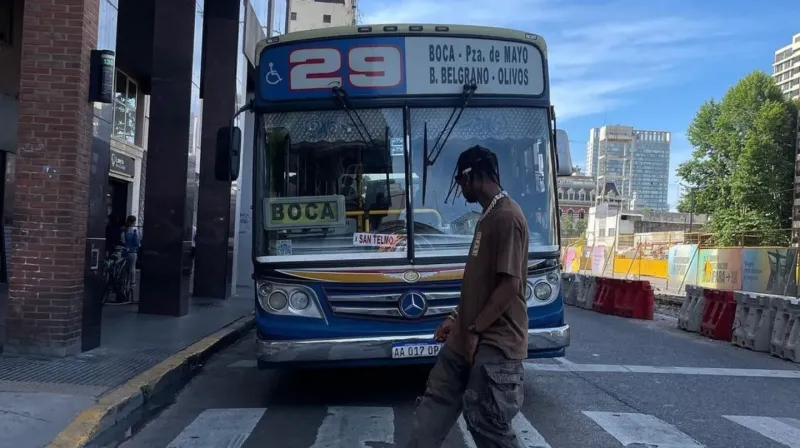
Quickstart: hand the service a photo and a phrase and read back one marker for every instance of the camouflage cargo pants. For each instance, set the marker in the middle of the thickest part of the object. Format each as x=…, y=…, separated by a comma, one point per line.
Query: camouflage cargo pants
x=489, y=393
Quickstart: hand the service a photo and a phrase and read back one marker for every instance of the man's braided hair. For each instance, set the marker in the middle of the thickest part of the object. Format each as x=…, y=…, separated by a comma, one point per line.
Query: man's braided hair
x=480, y=161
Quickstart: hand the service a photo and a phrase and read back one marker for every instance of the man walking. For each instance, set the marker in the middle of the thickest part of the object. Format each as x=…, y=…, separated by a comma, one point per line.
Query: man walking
x=479, y=370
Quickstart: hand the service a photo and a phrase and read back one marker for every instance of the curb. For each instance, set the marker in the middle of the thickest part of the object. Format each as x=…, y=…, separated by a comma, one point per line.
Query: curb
x=123, y=402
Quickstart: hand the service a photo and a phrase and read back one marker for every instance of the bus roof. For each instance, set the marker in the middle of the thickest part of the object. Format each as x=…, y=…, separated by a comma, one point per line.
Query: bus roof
x=403, y=29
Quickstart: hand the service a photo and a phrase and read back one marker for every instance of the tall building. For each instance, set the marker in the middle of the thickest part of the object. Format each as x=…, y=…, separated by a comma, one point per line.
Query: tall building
x=651, y=169
x=591, y=151
x=636, y=161
x=313, y=14
x=786, y=68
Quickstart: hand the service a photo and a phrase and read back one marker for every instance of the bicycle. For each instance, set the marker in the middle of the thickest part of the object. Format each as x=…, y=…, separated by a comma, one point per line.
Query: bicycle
x=116, y=277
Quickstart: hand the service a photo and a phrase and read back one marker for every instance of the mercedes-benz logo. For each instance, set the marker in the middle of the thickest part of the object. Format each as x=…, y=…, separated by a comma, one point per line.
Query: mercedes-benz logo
x=413, y=305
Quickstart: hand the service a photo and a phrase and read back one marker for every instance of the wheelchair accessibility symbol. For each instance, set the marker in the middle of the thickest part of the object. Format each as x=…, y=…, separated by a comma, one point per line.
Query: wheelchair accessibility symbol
x=272, y=76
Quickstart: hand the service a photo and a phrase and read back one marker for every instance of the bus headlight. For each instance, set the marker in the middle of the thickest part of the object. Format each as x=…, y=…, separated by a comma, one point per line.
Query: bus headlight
x=542, y=291
x=288, y=300
x=277, y=300
x=299, y=301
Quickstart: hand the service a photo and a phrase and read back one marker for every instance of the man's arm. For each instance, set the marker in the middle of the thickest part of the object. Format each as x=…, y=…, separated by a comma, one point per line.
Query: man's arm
x=509, y=256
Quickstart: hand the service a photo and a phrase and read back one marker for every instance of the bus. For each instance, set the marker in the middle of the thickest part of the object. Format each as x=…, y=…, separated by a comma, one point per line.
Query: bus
x=358, y=251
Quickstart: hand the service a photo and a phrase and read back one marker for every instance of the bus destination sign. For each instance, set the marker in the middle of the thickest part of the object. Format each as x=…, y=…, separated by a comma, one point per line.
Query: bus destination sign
x=304, y=212
x=417, y=65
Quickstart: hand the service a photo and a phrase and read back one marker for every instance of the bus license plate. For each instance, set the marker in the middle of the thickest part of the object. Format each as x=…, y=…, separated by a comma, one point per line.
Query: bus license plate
x=415, y=350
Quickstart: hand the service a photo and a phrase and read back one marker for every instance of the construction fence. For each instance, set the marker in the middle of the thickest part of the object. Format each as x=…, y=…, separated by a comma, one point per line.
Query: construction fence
x=676, y=259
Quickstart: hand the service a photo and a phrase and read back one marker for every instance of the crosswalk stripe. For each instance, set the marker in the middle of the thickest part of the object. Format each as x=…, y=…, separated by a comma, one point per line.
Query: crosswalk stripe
x=629, y=428
x=781, y=430
x=527, y=434
x=524, y=430
x=355, y=426
x=219, y=427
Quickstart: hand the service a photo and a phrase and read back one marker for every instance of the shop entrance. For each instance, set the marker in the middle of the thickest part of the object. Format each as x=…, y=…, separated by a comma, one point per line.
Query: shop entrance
x=117, y=199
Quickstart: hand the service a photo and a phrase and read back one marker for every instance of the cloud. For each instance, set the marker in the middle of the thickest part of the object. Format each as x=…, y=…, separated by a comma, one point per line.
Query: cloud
x=599, y=55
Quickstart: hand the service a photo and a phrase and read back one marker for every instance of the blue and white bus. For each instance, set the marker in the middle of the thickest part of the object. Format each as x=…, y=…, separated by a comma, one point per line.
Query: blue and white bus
x=357, y=254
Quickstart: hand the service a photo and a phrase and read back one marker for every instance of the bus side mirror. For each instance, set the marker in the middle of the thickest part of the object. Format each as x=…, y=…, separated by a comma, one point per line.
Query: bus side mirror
x=228, y=152
x=563, y=156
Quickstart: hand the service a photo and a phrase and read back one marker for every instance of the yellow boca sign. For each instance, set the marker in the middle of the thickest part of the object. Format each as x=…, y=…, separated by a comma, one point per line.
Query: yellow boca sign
x=304, y=212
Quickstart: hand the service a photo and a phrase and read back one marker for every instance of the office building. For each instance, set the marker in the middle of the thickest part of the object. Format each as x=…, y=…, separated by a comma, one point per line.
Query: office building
x=636, y=161
x=313, y=14
x=786, y=68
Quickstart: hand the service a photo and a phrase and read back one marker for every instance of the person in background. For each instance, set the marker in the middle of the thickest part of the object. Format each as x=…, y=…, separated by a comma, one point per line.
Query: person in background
x=130, y=236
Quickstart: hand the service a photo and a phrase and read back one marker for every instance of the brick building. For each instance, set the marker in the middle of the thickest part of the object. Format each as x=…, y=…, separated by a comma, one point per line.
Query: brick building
x=576, y=195
x=70, y=160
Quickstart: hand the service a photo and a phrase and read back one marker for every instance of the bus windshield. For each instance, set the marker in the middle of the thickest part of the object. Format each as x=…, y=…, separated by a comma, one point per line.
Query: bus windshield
x=338, y=191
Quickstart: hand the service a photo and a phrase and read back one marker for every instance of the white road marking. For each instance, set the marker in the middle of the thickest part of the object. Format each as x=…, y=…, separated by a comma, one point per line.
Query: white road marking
x=355, y=426
x=629, y=428
x=782, y=430
x=526, y=433
x=669, y=370
x=214, y=428
x=244, y=364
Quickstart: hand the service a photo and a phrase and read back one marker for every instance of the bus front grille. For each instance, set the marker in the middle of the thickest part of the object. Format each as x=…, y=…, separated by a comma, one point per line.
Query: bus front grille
x=387, y=305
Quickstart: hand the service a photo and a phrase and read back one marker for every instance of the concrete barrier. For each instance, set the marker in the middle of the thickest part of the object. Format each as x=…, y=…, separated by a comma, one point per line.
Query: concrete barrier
x=588, y=290
x=785, y=341
x=569, y=287
x=754, y=320
x=690, y=316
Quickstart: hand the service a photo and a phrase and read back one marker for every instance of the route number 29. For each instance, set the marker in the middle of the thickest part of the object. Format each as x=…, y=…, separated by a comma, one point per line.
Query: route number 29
x=368, y=67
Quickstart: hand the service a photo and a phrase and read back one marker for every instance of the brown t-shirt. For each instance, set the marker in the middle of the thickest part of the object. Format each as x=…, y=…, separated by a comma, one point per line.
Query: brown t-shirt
x=500, y=246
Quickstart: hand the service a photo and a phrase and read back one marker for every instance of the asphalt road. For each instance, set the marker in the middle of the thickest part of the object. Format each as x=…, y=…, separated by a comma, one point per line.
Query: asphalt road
x=623, y=383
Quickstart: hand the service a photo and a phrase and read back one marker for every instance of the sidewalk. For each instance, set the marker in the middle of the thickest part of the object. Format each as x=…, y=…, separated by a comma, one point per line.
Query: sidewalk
x=39, y=397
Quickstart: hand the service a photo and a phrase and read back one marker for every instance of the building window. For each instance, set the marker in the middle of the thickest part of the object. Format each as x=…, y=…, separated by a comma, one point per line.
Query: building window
x=293, y=16
x=560, y=194
x=570, y=213
x=125, y=108
x=582, y=195
x=571, y=195
x=580, y=214
x=326, y=18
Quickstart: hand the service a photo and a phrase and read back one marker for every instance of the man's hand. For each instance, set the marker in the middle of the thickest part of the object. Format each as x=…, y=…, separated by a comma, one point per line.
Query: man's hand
x=443, y=330
x=472, y=347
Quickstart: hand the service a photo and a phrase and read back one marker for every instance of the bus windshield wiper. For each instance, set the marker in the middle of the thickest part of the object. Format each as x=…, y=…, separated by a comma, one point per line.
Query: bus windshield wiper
x=341, y=95
x=433, y=156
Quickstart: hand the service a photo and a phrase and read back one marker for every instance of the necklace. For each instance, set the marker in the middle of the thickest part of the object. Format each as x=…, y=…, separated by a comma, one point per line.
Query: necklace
x=496, y=198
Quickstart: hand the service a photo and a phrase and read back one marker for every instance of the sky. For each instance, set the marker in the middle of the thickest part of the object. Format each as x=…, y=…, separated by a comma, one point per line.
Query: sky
x=647, y=64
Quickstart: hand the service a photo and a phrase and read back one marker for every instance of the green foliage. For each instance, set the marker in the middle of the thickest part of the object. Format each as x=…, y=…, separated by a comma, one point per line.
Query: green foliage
x=573, y=227
x=742, y=167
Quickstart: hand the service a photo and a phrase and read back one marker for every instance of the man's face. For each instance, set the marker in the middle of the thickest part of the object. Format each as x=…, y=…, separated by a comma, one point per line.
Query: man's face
x=469, y=187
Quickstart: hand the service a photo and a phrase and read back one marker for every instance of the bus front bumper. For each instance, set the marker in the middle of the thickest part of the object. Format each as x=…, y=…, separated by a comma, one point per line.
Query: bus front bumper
x=377, y=348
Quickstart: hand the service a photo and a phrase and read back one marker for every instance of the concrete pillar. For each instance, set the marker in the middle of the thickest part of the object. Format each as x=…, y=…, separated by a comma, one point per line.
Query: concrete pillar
x=170, y=189
x=217, y=201
x=51, y=194
x=100, y=158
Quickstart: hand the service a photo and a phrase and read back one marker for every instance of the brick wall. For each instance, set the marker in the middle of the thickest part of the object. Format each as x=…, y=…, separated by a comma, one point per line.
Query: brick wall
x=52, y=178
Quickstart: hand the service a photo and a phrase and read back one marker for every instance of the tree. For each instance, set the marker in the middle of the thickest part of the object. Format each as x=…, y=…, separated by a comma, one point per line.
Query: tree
x=577, y=171
x=742, y=167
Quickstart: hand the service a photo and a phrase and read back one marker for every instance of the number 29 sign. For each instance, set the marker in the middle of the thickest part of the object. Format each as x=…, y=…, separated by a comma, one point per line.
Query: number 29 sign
x=306, y=71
